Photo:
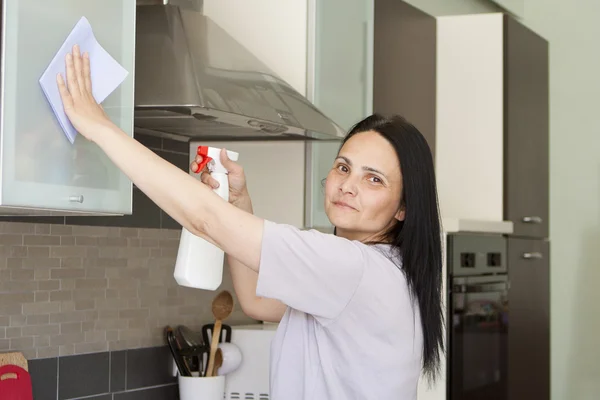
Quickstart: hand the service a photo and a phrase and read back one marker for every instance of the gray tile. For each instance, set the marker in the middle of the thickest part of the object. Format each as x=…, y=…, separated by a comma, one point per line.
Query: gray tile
x=83, y=375
x=149, y=367
x=169, y=392
x=152, y=142
x=177, y=146
x=181, y=161
x=44, y=374
x=32, y=219
x=118, y=365
x=166, y=222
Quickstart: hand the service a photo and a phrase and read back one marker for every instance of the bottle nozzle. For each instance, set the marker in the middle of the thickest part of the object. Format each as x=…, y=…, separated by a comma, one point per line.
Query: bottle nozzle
x=211, y=157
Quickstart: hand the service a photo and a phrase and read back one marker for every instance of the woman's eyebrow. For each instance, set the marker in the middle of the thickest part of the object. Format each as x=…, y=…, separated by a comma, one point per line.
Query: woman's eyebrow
x=370, y=169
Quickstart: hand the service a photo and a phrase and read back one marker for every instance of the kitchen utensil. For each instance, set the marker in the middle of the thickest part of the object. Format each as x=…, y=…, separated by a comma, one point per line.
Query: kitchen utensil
x=187, y=338
x=207, y=333
x=218, y=361
x=15, y=383
x=232, y=358
x=200, y=353
x=190, y=337
x=222, y=307
x=175, y=352
x=14, y=358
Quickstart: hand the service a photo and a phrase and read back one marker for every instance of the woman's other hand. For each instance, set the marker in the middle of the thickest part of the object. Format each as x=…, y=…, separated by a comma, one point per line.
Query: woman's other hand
x=86, y=115
x=238, y=191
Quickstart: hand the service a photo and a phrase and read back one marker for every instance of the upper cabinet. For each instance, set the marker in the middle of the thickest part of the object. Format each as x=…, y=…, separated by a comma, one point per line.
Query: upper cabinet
x=340, y=58
x=339, y=82
x=41, y=172
x=493, y=121
x=527, y=119
x=476, y=86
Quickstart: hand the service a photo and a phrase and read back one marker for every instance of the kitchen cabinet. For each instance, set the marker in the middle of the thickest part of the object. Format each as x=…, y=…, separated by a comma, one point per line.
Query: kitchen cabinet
x=324, y=49
x=404, y=66
x=42, y=173
x=526, y=110
x=476, y=86
x=492, y=121
x=339, y=83
x=529, y=316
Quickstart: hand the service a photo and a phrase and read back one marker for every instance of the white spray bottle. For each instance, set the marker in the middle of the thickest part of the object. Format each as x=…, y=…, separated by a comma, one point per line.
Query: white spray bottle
x=200, y=263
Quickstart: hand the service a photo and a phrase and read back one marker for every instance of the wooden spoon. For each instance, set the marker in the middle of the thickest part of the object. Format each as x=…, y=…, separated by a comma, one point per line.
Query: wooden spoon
x=222, y=307
x=218, y=361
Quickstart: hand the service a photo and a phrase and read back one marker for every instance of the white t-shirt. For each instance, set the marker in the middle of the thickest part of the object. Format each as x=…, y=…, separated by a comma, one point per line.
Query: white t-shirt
x=351, y=331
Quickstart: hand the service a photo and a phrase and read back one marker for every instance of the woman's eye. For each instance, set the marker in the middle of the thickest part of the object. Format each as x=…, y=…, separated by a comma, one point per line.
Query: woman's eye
x=342, y=168
x=375, y=179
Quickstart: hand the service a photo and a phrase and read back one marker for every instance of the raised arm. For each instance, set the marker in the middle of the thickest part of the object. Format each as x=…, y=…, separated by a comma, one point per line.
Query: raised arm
x=189, y=202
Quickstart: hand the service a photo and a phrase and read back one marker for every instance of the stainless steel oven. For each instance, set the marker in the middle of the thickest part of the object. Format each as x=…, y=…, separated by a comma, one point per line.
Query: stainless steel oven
x=478, y=317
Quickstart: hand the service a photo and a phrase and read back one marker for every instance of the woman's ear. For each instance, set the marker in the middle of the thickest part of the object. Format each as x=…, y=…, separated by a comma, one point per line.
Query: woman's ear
x=401, y=214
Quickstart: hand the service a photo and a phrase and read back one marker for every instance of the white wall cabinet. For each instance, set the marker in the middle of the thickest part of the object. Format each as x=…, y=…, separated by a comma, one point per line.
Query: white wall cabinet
x=493, y=121
x=324, y=49
x=41, y=172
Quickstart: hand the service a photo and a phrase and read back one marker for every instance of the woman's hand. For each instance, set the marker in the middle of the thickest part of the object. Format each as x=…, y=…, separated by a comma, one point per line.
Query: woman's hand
x=86, y=115
x=238, y=191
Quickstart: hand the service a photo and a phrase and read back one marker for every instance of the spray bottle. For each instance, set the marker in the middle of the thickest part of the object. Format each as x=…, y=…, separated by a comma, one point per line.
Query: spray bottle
x=200, y=263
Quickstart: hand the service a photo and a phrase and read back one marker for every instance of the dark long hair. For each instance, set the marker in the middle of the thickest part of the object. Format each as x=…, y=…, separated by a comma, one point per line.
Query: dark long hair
x=417, y=240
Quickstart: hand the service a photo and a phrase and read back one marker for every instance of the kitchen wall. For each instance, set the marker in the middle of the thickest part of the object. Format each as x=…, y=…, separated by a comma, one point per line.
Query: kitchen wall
x=68, y=289
x=572, y=29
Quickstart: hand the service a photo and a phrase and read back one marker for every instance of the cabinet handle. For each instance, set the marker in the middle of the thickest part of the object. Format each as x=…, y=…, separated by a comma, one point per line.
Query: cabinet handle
x=532, y=220
x=76, y=199
x=533, y=255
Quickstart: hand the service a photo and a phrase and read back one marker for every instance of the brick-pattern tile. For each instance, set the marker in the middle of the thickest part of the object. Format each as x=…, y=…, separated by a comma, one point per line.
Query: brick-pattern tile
x=67, y=289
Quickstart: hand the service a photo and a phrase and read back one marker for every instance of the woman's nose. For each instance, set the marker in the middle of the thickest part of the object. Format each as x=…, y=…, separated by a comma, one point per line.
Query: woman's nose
x=348, y=186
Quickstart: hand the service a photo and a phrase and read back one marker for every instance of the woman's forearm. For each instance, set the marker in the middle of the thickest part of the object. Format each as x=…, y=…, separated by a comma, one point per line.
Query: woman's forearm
x=245, y=281
x=189, y=202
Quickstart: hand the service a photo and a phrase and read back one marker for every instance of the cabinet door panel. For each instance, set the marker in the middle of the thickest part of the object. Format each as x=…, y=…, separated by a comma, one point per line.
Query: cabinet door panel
x=529, y=327
x=339, y=83
x=41, y=169
x=526, y=130
x=340, y=59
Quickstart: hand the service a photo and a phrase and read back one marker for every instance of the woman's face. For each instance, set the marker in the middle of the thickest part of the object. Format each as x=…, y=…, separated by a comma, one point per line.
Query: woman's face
x=363, y=189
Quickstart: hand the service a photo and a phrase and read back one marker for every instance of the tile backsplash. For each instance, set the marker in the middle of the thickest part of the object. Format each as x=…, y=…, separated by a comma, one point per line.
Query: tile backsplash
x=71, y=289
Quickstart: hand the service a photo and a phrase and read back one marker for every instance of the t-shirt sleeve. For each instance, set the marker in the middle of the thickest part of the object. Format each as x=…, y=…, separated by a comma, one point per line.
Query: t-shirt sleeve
x=309, y=271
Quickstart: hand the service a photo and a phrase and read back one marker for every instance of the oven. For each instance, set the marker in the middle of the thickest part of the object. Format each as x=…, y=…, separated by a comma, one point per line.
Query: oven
x=478, y=317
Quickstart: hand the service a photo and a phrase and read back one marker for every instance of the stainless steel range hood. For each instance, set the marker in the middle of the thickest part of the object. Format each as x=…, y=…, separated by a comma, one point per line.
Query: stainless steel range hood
x=194, y=81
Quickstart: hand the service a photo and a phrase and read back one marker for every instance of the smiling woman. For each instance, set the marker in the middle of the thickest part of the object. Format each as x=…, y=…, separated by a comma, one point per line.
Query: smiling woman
x=366, y=179
x=359, y=311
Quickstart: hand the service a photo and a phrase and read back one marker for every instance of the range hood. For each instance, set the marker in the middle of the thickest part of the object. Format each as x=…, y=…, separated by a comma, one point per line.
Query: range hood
x=194, y=81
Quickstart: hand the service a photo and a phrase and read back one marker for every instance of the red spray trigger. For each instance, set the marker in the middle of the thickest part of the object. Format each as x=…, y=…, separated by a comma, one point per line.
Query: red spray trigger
x=203, y=151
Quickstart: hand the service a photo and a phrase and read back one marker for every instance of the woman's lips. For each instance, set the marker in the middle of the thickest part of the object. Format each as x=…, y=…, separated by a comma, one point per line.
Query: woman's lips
x=341, y=204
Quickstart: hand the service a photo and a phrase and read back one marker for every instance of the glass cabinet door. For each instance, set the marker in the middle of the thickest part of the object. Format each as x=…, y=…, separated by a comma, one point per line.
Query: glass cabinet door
x=339, y=83
x=40, y=168
x=340, y=59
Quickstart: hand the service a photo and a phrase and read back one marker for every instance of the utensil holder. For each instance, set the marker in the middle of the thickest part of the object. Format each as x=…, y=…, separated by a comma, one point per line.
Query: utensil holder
x=201, y=388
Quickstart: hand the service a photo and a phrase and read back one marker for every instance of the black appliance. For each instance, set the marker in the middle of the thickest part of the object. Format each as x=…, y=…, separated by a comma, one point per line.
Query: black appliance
x=478, y=317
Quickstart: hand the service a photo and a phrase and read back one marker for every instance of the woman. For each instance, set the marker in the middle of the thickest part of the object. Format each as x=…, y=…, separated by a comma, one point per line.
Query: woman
x=360, y=311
